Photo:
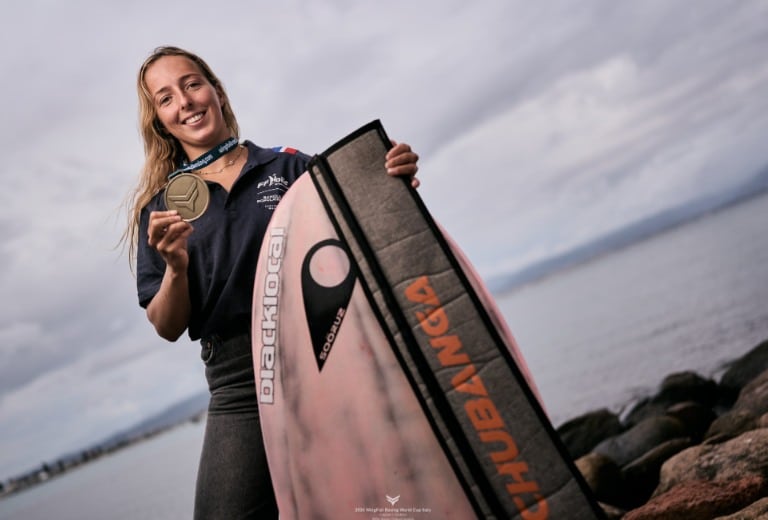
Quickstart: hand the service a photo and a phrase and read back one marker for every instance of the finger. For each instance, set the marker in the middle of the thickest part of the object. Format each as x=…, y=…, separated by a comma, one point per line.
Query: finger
x=397, y=149
x=402, y=159
x=165, y=232
x=163, y=216
x=399, y=154
x=404, y=164
x=403, y=169
x=159, y=221
x=175, y=232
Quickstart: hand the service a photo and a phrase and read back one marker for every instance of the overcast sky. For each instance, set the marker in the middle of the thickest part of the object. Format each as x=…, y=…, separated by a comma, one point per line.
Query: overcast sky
x=540, y=125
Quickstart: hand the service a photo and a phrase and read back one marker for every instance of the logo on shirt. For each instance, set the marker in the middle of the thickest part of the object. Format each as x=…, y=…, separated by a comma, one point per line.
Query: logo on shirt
x=272, y=181
x=270, y=191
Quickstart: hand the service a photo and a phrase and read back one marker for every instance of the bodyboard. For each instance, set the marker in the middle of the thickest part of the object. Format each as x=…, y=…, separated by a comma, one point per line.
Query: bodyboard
x=388, y=384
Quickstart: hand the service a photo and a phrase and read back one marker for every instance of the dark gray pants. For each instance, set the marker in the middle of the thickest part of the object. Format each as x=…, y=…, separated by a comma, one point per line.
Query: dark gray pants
x=233, y=478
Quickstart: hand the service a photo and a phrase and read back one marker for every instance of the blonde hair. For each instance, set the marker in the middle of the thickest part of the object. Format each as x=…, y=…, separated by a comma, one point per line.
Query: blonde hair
x=162, y=152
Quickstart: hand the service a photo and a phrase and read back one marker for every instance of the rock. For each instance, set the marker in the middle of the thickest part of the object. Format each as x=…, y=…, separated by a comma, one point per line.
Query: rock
x=583, y=433
x=639, y=439
x=641, y=476
x=695, y=417
x=602, y=476
x=754, y=511
x=676, y=388
x=612, y=512
x=729, y=425
x=746, y=368
x=687, y=386
x=754, y=396
x=743, y=456
x=699, y=500
x=644, y=409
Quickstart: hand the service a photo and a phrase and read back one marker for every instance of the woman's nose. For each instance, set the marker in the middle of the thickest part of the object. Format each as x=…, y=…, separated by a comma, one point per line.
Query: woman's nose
x=185, y=100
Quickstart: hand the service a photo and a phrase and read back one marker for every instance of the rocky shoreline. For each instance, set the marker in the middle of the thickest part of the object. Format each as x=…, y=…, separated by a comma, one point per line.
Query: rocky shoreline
x=696, y=450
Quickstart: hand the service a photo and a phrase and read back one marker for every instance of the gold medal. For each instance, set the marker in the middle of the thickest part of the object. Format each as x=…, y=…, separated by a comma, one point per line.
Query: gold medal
x=188, y=194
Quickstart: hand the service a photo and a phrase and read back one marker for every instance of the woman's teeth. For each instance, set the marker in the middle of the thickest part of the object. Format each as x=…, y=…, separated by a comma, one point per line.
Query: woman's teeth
x=194, y=119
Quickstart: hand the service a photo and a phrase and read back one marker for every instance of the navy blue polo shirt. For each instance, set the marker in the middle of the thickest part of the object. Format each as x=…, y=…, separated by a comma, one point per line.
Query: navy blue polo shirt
x=224, y=246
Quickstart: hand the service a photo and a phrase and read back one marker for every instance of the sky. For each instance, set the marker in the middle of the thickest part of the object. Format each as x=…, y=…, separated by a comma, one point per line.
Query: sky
x=540, y=126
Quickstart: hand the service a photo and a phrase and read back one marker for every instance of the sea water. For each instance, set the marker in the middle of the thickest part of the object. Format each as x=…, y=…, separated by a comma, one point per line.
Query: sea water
x=608, y=331
x=151, y=480
x=596, y=335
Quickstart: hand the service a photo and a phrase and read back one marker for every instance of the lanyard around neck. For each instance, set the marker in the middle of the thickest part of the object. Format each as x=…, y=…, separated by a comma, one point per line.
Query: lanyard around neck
x=207, y=158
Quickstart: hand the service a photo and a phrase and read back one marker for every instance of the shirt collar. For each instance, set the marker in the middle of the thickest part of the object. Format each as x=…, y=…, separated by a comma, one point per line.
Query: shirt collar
x=258, y=155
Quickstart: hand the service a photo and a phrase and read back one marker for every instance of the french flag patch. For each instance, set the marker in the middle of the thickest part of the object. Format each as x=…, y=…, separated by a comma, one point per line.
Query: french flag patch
x=284, y=149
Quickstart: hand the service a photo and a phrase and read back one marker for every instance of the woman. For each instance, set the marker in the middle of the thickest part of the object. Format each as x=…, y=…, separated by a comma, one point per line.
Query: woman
x=198, y=276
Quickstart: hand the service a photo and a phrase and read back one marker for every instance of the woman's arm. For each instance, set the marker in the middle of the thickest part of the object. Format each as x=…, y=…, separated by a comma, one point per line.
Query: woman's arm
x=170, y=309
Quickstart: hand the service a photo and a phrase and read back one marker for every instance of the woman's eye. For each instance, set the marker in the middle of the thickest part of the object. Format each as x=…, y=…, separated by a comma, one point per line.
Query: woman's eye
x=164, y=100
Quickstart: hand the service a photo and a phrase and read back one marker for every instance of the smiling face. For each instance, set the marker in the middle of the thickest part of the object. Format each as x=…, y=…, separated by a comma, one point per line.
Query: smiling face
x=187, y=104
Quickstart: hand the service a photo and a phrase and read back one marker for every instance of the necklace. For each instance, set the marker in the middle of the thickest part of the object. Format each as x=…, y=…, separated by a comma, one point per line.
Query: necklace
x=227, y=164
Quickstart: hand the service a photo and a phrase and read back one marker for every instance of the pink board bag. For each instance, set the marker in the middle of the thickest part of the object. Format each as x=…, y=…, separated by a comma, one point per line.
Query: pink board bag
x=348, y=430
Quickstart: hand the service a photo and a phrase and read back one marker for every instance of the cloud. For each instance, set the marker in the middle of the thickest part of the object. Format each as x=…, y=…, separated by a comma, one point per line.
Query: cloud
x=628, y=134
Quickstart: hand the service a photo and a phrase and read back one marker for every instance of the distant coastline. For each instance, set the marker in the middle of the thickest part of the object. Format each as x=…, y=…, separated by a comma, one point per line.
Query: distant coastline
x=192, y=409
x=663, y=221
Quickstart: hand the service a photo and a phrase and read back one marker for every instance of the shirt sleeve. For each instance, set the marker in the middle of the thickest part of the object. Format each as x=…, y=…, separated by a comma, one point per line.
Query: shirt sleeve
x=300, y=164
x=150, y=266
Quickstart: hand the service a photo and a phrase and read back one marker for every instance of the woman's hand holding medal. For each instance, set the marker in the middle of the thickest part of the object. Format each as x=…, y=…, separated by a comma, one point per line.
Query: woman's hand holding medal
x=168, y=234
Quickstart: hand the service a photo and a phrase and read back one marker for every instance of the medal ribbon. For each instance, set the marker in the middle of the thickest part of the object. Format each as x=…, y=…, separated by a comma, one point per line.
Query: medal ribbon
x=207, y=158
